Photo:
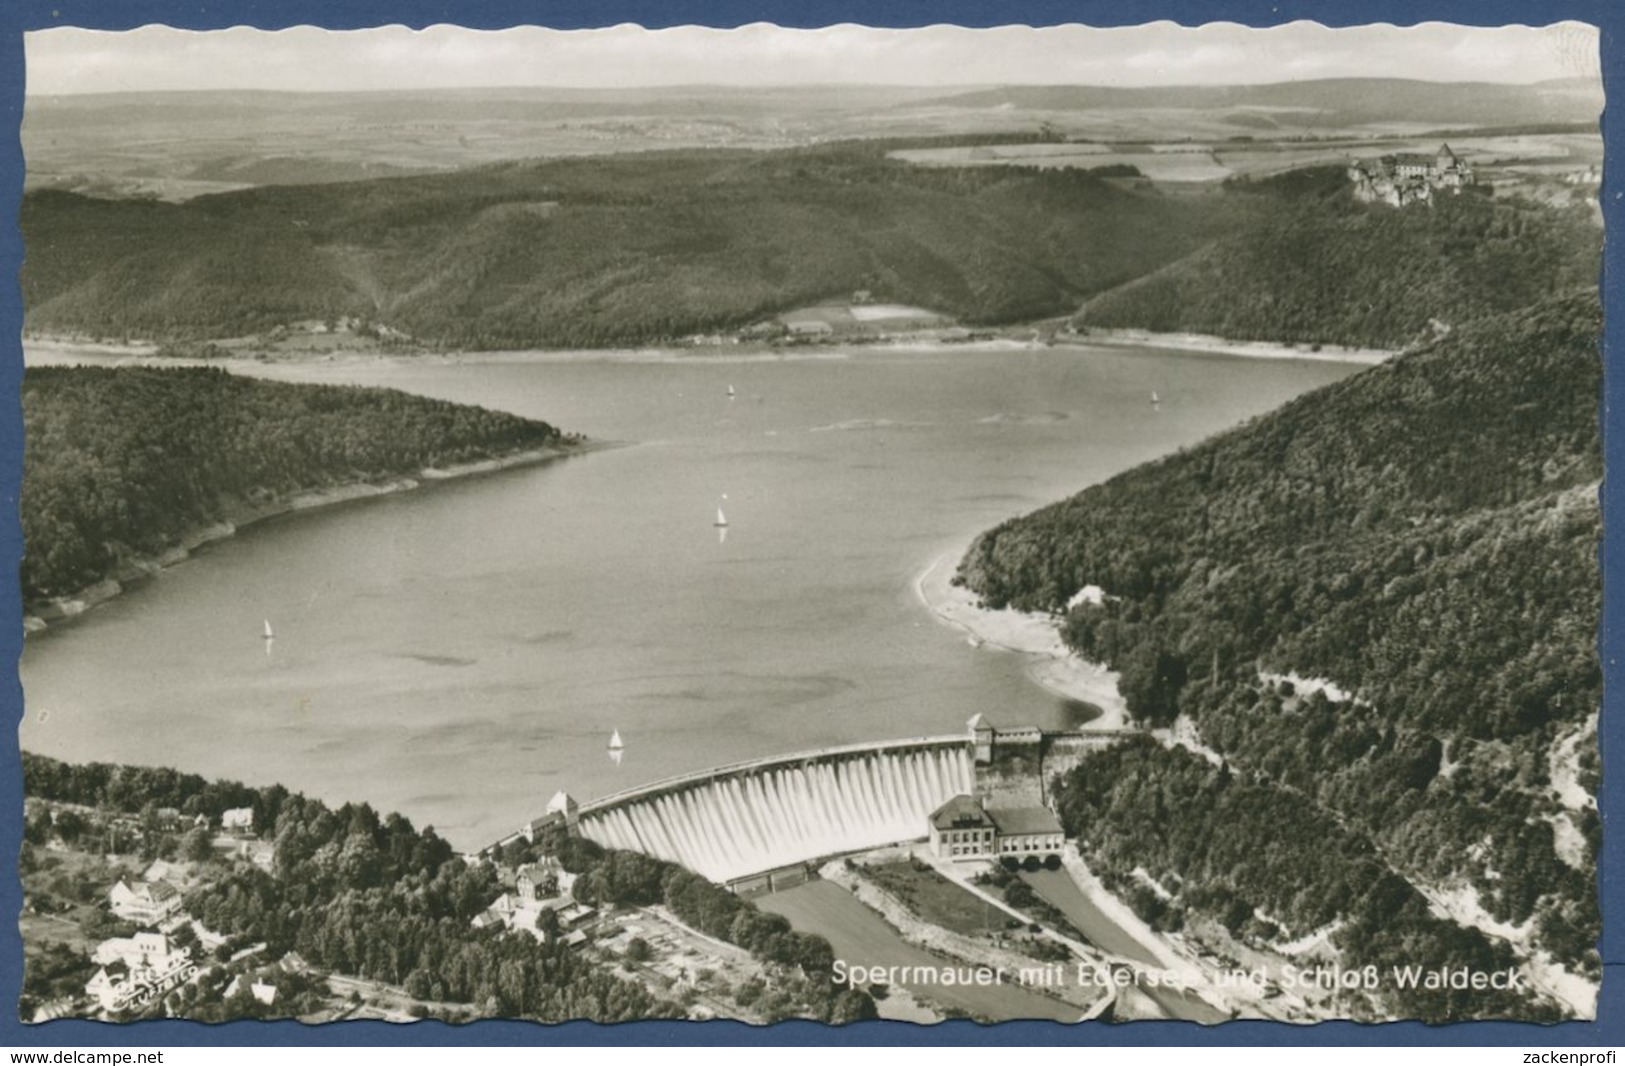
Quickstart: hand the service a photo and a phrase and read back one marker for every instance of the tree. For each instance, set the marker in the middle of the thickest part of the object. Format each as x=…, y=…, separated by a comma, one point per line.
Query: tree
x=197, y=845
x=852, y=1005
x=547, y=923
x=184, y=936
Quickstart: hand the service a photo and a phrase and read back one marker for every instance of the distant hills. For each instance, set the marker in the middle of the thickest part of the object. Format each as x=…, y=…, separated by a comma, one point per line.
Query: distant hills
x=1321, y=268
x=650, y=247
x=1423, y=536
x=1326, y=102
x=602, y=251
x=1323, y=102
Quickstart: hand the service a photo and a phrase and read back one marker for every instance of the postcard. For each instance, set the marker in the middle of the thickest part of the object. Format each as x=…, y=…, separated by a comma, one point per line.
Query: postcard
x=1092, y=524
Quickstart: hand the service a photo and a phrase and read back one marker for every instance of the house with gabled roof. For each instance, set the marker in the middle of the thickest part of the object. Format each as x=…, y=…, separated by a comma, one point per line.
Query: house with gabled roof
x=145, y=902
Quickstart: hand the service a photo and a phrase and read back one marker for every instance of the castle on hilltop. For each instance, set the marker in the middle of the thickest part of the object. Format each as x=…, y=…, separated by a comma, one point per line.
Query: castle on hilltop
x=1409, y=177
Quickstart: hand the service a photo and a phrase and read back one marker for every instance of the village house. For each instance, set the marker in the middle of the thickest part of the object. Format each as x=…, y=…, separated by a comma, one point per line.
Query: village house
x=264, y=993
x=160, y=870
x=811, y=331
x=145, y=902
x=238, y=819
x=535, y=880
x=575, y=916
x=500, y=912
x=261, y=853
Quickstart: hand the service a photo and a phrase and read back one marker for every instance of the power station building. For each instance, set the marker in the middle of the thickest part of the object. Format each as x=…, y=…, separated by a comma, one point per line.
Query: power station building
x=965, y=828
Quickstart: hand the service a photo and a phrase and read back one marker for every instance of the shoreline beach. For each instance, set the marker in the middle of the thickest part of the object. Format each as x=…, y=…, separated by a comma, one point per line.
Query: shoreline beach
x=1210, y=345
x=1036, y=636
x=56, y=347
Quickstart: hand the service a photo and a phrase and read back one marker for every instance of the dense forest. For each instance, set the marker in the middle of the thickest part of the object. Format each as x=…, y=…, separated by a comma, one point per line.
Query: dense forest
x=1256, y=858
x=1425, y=536
x=605, y=250
x=128, y=462
x=363, y=895
x=1325, y=269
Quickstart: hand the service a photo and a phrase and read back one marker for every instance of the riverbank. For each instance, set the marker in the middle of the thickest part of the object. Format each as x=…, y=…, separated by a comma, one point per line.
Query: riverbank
x=40, y=615
x=55, y=348
x=1052, y=664
x=1211, y=345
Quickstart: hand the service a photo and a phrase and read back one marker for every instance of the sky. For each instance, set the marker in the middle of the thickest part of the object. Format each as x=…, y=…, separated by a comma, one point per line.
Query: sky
x=69, y=60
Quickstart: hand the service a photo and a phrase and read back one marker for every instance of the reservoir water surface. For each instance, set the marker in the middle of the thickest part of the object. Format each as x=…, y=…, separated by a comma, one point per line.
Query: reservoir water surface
x=462, y=652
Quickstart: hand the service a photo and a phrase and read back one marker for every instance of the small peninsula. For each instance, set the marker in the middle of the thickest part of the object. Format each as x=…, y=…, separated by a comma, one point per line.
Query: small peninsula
x=129, y=469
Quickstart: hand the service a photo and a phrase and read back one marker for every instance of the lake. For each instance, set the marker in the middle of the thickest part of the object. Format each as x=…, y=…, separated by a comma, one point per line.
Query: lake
x=461, y=652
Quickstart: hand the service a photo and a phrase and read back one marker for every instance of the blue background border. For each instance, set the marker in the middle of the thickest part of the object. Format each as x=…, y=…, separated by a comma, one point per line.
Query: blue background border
x=19, y=16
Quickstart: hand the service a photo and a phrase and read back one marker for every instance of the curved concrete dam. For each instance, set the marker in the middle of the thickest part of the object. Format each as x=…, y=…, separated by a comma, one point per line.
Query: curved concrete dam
x=735, y=821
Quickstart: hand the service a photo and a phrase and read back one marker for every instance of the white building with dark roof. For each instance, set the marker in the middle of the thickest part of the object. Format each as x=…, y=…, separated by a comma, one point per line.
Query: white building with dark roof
x=133, y=971
x=961, y=829
x=145, y=902
x=966, y=828
x=1027, y=830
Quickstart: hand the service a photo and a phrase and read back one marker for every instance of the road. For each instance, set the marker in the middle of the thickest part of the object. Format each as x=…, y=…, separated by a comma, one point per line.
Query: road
x=861, y=938
x=1059, y=890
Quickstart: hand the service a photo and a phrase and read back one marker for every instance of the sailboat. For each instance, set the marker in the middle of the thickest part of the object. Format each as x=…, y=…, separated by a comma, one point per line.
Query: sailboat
x=268, y=635
x=617, y=750
x=722, y=519
x=1156, y=401
x=731, y=392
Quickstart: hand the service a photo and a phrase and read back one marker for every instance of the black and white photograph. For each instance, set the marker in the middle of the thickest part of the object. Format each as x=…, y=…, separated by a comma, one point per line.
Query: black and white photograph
x=1093, y=524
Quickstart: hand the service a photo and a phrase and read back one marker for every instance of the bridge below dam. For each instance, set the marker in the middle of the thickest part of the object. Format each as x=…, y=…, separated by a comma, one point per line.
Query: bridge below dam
x=735, y=821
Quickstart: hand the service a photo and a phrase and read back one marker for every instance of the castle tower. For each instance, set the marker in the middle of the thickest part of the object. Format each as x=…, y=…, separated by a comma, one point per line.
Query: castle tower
x=565, y=804
x=982, y=735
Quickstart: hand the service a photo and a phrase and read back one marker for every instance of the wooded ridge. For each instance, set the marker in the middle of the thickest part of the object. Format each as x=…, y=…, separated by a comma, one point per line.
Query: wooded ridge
x=1424, y=536
x=124, y=463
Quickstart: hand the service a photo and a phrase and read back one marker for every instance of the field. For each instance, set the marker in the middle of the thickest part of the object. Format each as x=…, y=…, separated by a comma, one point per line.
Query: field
x=1189, y=161
x=174, y=146
x=935, y=898
x=1171, y=163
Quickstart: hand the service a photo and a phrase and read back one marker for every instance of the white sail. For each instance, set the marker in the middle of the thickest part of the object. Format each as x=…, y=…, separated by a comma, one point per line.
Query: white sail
x=730, y=392
x=1155, y=399
x=615, y=741
x=722, y=519
x=268, y=634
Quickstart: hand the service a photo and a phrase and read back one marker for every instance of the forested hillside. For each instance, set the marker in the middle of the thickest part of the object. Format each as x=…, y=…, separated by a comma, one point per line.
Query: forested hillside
x=1328, y=270
x=128, y=462
x=360, y=894
x=1424, y=535
x=603, y=250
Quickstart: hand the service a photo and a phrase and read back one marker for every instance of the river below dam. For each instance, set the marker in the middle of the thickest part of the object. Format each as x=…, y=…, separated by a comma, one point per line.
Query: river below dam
x=461, y=652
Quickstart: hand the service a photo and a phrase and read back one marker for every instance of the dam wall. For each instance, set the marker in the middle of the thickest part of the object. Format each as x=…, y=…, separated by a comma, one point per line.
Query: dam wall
x=736, y=821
